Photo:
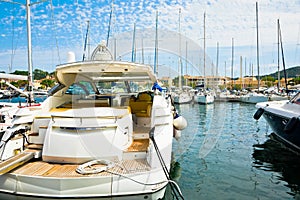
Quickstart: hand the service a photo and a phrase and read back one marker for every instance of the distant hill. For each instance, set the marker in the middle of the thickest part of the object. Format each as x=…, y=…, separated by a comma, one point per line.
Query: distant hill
x=292, y=72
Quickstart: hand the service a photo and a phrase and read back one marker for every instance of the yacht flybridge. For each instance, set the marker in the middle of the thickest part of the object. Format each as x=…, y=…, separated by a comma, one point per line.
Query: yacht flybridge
x=105, y=131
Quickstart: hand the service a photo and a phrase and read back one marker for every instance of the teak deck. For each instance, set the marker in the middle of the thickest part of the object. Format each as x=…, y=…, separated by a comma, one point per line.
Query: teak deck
x=44, y=169
x=138, y=145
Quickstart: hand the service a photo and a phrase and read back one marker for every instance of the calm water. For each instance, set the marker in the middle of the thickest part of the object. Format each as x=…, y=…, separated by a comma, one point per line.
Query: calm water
x=225, y=154
x=37, y=99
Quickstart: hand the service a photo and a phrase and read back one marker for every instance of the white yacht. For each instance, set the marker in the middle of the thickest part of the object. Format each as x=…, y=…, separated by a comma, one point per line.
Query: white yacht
x=253, y=97
x=204, y=97
x=183, y=96
x=81, y=143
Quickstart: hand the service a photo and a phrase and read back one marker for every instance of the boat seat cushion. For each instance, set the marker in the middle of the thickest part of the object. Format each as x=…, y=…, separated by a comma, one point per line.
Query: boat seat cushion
x=141, y=109
x=144, y=97
x=142, y=106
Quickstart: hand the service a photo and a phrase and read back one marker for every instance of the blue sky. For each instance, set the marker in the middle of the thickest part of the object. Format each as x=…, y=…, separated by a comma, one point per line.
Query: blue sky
x=60, y=27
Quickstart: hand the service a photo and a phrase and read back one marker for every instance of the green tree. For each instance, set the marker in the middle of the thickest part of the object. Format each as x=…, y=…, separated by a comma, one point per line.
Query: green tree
x=19, y=72
x=39, y=74
x=269, y=80
x=19, y=83
x=296, y=80
x=48, y=83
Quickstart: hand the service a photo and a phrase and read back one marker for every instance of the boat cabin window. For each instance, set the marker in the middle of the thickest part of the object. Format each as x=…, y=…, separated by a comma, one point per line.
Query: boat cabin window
x=111, y=87
x=55, y=88
x=114, y=87
x=296, y=98
x=81, y=88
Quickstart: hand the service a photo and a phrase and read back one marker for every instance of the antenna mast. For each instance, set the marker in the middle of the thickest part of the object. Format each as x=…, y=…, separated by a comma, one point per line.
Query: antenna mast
x=110, y=16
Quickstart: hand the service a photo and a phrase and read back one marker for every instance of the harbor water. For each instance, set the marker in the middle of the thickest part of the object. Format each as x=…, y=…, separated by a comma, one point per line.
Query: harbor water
x=226, y=154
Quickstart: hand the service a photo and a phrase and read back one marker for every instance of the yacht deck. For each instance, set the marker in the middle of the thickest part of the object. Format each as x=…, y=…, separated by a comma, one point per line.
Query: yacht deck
x=44, y=169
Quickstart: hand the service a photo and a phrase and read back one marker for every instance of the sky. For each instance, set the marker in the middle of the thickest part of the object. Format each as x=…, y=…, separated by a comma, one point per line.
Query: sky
x=60, y=26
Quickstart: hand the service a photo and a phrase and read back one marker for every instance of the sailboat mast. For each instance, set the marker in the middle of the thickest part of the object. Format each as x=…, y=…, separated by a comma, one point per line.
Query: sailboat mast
x=29, y=48
x=204, y=49
x=278, y=54
x=143, y=60
x=29, y=54
x=133, y=45
x=156, y=45
x=232, y=56
x=86, y=41
x=179, y=61
x=186, y=58
x=257, y=48
x=109, y=25
x=283, y=62
x=217, y=62
x=241, y=72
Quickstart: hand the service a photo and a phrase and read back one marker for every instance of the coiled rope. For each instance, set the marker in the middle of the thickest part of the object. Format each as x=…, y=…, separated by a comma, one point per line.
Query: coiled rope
x=89, y=168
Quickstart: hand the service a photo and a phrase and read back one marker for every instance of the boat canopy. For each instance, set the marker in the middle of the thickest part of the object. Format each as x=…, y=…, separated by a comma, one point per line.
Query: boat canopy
x=103, y=70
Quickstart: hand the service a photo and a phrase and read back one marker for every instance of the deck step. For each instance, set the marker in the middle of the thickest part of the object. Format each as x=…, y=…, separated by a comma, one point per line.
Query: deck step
x=35, y=146
x=138, y=145
x=141, y=132
x=33, y=134
x=137, y=136
x=137, y=150
x=15, y=161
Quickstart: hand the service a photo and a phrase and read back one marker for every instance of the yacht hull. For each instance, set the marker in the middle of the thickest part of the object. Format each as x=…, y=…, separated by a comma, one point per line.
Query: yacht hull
x=183, y=99
x=204, y=99
x=93, y=137
x=283, y=118
x=104, y=185
x=253, y=98
x=279, y=123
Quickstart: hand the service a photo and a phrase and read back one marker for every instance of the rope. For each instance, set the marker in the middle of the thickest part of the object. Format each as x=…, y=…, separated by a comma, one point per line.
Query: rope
x=21, y=131
x=87, y=168
x=108, y=164
x=141, y=183
x=149, y=184
x=163, y=164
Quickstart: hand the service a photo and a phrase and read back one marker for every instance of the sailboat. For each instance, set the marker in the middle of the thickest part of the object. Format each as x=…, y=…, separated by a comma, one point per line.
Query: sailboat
x=8, y=107
x=282, y=116
x=255, y=97
x=203, y=95
x=103, y=132
x=183, y=96
x=279, y=95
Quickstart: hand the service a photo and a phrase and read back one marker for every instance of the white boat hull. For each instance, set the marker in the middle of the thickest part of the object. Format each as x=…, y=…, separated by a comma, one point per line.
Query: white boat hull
x=204, y=99
x=85, y=186
x=90, y=142
x=183, y=98
x=254, y=98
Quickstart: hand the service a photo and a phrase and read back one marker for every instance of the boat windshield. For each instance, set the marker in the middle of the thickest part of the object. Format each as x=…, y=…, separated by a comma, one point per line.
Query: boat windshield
x=114, y=87
x=81, y=88
x=55, y=88
x=108, y=87
x=296, y=98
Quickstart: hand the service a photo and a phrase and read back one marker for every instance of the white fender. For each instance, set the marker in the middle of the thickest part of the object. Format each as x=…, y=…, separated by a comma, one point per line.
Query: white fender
x=180, y=123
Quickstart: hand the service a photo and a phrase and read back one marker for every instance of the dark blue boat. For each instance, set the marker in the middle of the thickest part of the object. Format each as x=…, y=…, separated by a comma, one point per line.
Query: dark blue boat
x=284, y=119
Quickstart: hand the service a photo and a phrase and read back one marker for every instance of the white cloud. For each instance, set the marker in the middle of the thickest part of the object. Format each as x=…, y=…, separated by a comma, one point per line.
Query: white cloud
x=224, y=20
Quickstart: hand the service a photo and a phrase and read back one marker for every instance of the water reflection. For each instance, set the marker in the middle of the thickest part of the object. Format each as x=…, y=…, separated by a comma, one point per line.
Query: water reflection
x=272, y=156
x=175, y=174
